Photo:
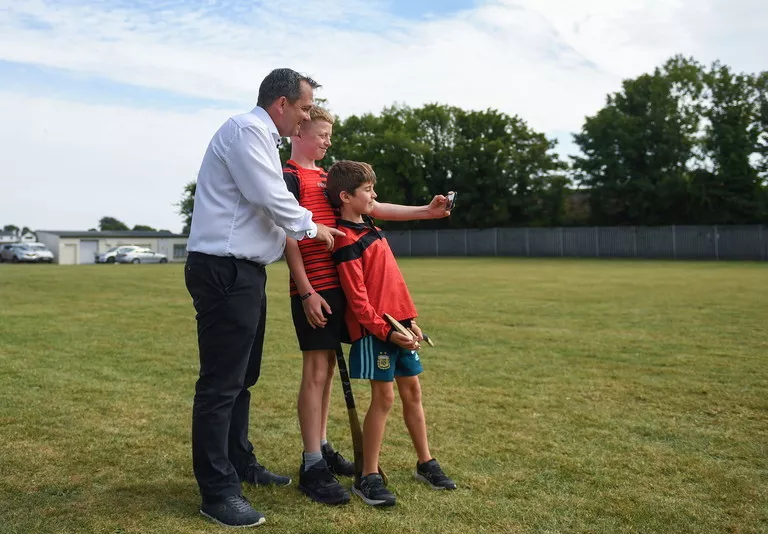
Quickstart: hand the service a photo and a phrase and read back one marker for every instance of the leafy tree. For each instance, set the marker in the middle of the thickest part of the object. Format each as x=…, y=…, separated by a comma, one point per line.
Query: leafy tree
x=636, y=149
x=186, y=205
x=727, y=189
x=107, y=224
x=10, y=228
x=143, y=228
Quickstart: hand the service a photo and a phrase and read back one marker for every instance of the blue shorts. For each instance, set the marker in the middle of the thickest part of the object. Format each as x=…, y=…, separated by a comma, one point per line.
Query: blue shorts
x=373, y=359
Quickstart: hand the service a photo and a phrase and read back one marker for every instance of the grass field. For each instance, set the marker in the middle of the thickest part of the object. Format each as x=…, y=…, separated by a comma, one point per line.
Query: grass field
x=563, y=396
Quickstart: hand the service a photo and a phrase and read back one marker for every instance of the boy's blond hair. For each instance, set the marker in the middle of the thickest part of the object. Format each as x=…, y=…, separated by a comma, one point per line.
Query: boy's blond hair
x=321, y=114
x=346, y=175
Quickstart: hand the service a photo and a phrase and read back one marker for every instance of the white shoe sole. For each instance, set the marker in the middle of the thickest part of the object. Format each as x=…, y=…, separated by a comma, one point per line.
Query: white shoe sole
x=256, y=524
x=421, y=478
x=370, y=502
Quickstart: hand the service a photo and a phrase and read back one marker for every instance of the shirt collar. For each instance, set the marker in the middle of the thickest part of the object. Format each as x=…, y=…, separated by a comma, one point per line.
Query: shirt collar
x=367, y=224
x=262, y=114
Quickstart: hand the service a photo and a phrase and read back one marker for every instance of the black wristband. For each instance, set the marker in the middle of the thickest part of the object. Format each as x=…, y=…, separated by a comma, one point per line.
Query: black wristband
x=305, y=297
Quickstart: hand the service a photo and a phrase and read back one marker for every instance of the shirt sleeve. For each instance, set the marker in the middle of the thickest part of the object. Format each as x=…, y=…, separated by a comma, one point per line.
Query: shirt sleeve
x=353, y=284
x=292, y=183
x=250, y=162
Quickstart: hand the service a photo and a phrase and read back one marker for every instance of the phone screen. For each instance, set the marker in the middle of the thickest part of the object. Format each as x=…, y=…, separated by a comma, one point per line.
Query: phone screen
x=451, y=200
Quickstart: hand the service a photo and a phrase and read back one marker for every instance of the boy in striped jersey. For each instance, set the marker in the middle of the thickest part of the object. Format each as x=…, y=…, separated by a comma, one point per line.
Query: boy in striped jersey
x=374, y=285
x=318, y=304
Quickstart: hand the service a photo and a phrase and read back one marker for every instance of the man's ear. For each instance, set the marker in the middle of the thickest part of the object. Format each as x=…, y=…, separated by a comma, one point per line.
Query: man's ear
x=345, y=197
x=282, y=102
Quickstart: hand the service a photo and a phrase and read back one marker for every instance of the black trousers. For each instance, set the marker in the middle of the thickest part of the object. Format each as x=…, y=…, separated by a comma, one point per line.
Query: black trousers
x=231, y=304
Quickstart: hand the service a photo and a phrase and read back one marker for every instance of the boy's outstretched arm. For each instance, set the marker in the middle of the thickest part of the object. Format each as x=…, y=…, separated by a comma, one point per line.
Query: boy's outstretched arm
x=397, y=212
x=314, y=304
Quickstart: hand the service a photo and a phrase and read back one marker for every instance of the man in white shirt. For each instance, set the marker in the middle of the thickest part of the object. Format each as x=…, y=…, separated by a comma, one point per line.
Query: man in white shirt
x=242, y=214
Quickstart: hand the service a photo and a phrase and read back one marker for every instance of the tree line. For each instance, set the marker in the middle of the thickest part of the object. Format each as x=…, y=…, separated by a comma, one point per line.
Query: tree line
x=685, y=144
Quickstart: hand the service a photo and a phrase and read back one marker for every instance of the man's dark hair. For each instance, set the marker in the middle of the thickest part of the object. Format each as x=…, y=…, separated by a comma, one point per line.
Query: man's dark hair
x=347, y=176
x=282, y=82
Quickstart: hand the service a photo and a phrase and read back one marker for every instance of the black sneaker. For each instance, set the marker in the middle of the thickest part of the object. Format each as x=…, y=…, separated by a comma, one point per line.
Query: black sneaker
x=258, y=475
x=234, y=511
x=431, y=473
x=321, y=486
x=337, y=463
x=371, y=489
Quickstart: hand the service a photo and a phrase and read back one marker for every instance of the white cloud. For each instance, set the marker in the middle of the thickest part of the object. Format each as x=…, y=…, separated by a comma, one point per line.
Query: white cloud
x=549, y=61
x=64, y=166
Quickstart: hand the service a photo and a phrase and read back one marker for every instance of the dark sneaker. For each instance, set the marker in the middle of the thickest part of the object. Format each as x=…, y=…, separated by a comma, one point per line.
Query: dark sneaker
x=337, y=463
x=258, y=475
x=234, y=511
x=371, y=489
x=321, y=486
x=431, y=473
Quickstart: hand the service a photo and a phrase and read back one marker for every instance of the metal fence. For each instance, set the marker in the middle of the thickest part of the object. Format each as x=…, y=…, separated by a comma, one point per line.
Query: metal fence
x=662, y=242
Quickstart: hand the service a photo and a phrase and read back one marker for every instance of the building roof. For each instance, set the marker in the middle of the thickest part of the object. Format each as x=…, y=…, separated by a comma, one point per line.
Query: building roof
x=8, y=232
x=113, y=233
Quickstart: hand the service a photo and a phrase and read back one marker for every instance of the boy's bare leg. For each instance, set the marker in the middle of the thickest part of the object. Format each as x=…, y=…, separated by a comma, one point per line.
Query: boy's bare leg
x=382, y=398
x=331, y=366
x=310, y=404
x=413, y=413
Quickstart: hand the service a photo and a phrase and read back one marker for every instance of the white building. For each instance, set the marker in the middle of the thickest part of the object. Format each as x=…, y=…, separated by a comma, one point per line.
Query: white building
x=15, y=236
x=82, y=247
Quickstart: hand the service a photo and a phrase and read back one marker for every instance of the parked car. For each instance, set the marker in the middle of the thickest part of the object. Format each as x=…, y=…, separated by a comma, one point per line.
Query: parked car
x=6, y=251
x=26, y=252
x=141, y=255
x=110, y=255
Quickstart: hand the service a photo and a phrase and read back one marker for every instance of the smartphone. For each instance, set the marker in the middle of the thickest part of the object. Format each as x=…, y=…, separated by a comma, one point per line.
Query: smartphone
x=451, y=200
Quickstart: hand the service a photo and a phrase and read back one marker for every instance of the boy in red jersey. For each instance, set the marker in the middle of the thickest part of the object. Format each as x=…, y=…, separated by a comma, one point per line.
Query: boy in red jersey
x=374, y=285
x=318, y=304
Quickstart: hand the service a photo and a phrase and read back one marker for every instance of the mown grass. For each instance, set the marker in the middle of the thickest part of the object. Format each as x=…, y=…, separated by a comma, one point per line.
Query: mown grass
x=563, y=396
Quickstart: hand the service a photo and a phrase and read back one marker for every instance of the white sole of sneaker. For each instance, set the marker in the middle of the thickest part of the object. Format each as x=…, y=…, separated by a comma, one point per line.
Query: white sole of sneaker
x=256, y=524
x=422, y=478
x=370, y=502
x=333, y=502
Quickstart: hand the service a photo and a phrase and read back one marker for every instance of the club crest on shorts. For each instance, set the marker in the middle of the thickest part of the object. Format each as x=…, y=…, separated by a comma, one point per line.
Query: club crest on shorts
x=382, y=362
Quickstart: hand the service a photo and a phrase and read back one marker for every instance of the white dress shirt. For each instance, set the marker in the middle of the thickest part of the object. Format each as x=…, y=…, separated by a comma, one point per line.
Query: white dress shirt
x=242, y=205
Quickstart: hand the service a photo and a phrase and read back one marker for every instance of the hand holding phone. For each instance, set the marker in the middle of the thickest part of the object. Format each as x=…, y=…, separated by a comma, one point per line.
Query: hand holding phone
x=451, y=200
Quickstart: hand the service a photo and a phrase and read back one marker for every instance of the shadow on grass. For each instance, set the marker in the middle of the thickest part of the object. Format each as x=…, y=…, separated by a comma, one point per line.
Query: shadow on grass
x=159, y=498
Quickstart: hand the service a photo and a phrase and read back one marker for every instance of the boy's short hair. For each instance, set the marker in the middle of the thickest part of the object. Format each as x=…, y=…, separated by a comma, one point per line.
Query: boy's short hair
x=347, y=176
x=321, y=114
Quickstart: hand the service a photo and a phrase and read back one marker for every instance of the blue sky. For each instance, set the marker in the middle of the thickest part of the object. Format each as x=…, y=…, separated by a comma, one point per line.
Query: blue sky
x=108, y=105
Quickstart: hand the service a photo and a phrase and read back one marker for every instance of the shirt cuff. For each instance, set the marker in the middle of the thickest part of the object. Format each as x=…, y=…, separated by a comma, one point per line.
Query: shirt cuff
x=301, y=233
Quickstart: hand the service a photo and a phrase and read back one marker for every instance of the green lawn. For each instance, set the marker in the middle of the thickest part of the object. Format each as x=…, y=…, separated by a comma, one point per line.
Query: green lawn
x=563, y=396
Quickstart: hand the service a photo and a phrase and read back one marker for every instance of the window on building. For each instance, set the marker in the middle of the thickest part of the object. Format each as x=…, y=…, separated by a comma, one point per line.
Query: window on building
x=179, y=251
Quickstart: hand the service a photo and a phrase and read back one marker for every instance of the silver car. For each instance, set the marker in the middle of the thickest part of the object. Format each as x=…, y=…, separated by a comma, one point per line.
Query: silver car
x=141, y=255
x=110, y=256
x=26, y=253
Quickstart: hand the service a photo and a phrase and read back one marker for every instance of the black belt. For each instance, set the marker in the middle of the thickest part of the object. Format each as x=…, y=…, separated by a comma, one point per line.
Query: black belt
x=203, y=255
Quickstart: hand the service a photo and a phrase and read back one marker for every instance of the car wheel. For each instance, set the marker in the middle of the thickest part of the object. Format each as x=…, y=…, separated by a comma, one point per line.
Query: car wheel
x=137, y=260
x=14, y=260
x=111, y=260
x=164, y=260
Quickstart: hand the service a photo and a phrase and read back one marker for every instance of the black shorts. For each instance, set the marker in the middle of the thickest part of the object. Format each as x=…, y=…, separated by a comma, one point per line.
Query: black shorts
x=335, y=330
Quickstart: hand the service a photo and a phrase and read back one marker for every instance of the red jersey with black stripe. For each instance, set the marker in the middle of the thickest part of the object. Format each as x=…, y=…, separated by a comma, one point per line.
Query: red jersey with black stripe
x=371, y=279
x=308, y=186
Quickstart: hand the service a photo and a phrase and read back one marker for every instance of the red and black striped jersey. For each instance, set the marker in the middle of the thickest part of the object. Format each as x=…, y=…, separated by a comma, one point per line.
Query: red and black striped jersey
x=308, y=186
x=371, y=279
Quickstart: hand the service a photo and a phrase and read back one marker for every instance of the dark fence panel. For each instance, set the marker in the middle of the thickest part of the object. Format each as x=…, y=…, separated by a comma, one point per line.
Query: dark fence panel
x=662, y=242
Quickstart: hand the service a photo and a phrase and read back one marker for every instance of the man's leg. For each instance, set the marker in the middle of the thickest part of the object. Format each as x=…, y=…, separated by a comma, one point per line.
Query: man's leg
x=228, y=315
x=240, y=447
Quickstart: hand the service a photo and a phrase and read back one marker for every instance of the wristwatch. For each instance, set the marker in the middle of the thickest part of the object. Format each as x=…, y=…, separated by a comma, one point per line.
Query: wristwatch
x=312, y=232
